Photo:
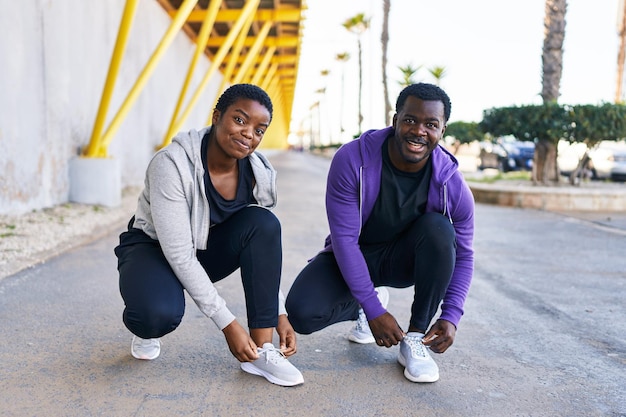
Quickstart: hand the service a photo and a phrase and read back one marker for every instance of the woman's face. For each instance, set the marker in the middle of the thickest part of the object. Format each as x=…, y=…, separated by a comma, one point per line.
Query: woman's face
x=239, y=130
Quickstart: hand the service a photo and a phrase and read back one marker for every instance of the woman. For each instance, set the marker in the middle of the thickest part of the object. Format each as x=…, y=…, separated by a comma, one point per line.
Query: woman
x=204, y=212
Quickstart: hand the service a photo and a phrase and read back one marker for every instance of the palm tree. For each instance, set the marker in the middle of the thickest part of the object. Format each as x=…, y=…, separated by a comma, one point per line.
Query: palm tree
x=342, y=58
x=384, y=39
x=621, y=31
x=324, y=103
x=408, y=73
x=545, y=168
x=358, y=24
x=552, y=58
x=438, y=73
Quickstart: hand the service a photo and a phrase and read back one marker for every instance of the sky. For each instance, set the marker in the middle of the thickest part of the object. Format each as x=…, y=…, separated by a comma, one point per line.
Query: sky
x=491, y=50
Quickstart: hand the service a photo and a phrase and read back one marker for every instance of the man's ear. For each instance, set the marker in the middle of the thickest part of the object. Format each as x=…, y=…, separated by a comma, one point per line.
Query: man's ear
x=394, y=120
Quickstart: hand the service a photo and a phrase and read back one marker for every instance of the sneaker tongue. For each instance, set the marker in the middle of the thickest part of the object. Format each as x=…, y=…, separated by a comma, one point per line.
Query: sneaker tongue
x=268, y=346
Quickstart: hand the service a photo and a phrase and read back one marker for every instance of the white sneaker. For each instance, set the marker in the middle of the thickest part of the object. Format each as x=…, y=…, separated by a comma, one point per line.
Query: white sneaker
x=146, y=349
x=414, y=356
x=274, y=366
x=361, y=332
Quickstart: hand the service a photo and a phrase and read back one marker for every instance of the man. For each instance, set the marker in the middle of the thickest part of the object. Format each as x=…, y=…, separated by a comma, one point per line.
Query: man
x=400, y=214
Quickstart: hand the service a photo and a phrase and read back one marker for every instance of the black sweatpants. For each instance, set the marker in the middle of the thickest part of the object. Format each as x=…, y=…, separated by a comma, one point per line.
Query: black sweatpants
x=423, y=256
x=154, y=297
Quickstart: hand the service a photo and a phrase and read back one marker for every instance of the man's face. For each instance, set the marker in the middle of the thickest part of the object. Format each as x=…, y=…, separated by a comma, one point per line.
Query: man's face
x=419, y=125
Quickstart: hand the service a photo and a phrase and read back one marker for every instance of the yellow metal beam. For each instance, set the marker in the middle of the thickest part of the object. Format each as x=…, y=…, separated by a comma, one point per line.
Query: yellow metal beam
x=270, y=61
x=177, y=23
x=203, y=37
x=217, y=60
x=230, y=15
x=268, y=76
x=230, y=65
x=253, y=52
x=281, y=42
x=114, y=68
x=262, y=68
x=283, y=59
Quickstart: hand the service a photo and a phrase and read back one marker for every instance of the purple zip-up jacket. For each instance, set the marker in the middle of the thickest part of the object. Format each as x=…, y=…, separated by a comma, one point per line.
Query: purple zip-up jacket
x=352, y=188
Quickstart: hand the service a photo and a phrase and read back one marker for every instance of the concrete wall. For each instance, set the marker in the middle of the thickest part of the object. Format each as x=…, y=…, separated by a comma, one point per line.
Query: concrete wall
x=54, y=58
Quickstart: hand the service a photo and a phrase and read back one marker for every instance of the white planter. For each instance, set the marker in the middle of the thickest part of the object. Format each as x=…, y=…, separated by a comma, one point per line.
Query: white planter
x=96, y=181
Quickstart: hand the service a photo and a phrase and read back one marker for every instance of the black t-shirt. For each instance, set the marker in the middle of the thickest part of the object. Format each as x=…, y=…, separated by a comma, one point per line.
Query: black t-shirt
x=222, y=209
x=401, y=200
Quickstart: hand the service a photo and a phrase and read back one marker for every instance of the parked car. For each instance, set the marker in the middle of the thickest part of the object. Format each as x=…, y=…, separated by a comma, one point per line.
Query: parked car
x=607, y=160
x=506, y=154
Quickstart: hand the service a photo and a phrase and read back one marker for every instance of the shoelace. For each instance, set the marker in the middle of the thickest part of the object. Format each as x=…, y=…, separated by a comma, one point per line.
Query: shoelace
x=272, y=355
x=418, y=349
x=362, y=321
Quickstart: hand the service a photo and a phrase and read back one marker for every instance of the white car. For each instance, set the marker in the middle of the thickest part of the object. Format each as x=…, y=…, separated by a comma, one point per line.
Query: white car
x=608, y=159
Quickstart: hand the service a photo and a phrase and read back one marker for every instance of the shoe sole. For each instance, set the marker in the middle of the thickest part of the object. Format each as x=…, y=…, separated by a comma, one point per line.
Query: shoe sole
x=421, y=378
x=355, y=339
x=251, y=369
x=144, y=357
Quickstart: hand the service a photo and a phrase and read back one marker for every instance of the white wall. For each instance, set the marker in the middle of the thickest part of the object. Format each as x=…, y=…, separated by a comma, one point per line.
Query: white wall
x=54, y=58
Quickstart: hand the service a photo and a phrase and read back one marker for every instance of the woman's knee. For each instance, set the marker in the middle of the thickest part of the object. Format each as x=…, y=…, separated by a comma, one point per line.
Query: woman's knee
x=153, y=321
x=263, y=220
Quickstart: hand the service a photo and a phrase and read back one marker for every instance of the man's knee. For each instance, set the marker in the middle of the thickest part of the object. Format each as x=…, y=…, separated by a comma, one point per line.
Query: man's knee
x=438, y=228
x=300, y=317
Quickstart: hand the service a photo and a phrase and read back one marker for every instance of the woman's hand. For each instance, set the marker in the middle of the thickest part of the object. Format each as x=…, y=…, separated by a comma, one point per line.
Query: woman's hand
x=239, y=342
x=287, y=336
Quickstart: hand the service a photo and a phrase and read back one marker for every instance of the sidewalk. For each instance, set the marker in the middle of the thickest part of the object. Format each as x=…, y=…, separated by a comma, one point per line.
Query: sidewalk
x=539, y=338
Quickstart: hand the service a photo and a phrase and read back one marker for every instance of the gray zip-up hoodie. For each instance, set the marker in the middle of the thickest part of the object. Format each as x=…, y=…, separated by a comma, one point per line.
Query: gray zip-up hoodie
x=173, y=209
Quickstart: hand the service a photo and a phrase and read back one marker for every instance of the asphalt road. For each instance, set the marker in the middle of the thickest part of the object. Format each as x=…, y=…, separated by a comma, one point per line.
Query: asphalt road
x=543, y=334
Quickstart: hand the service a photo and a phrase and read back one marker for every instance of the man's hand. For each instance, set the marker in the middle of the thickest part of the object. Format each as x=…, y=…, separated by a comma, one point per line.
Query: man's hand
x=239, y=342
x=287, y=336
x=386, y=330
x=440, y=336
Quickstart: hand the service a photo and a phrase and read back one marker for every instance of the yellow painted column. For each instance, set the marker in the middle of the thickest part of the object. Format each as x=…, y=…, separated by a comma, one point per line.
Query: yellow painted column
x=203, y=37
x=177, y=23
x=250, y=7
x=114, y=67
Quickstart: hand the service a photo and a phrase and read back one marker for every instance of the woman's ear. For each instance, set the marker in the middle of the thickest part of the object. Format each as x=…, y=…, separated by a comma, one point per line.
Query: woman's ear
x=216, y=116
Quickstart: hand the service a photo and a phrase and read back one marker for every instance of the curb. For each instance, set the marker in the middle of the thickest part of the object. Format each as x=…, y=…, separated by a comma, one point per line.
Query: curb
x=550, y=198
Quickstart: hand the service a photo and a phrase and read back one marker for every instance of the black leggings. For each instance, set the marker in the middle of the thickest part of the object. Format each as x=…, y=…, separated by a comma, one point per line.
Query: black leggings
x=154, y=297
x=423, y=256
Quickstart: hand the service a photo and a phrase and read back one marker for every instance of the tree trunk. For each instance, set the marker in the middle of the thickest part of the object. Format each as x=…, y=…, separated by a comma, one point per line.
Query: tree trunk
x=621, y=29
x=552, y=58
x=384, y=39
x=545, y=169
